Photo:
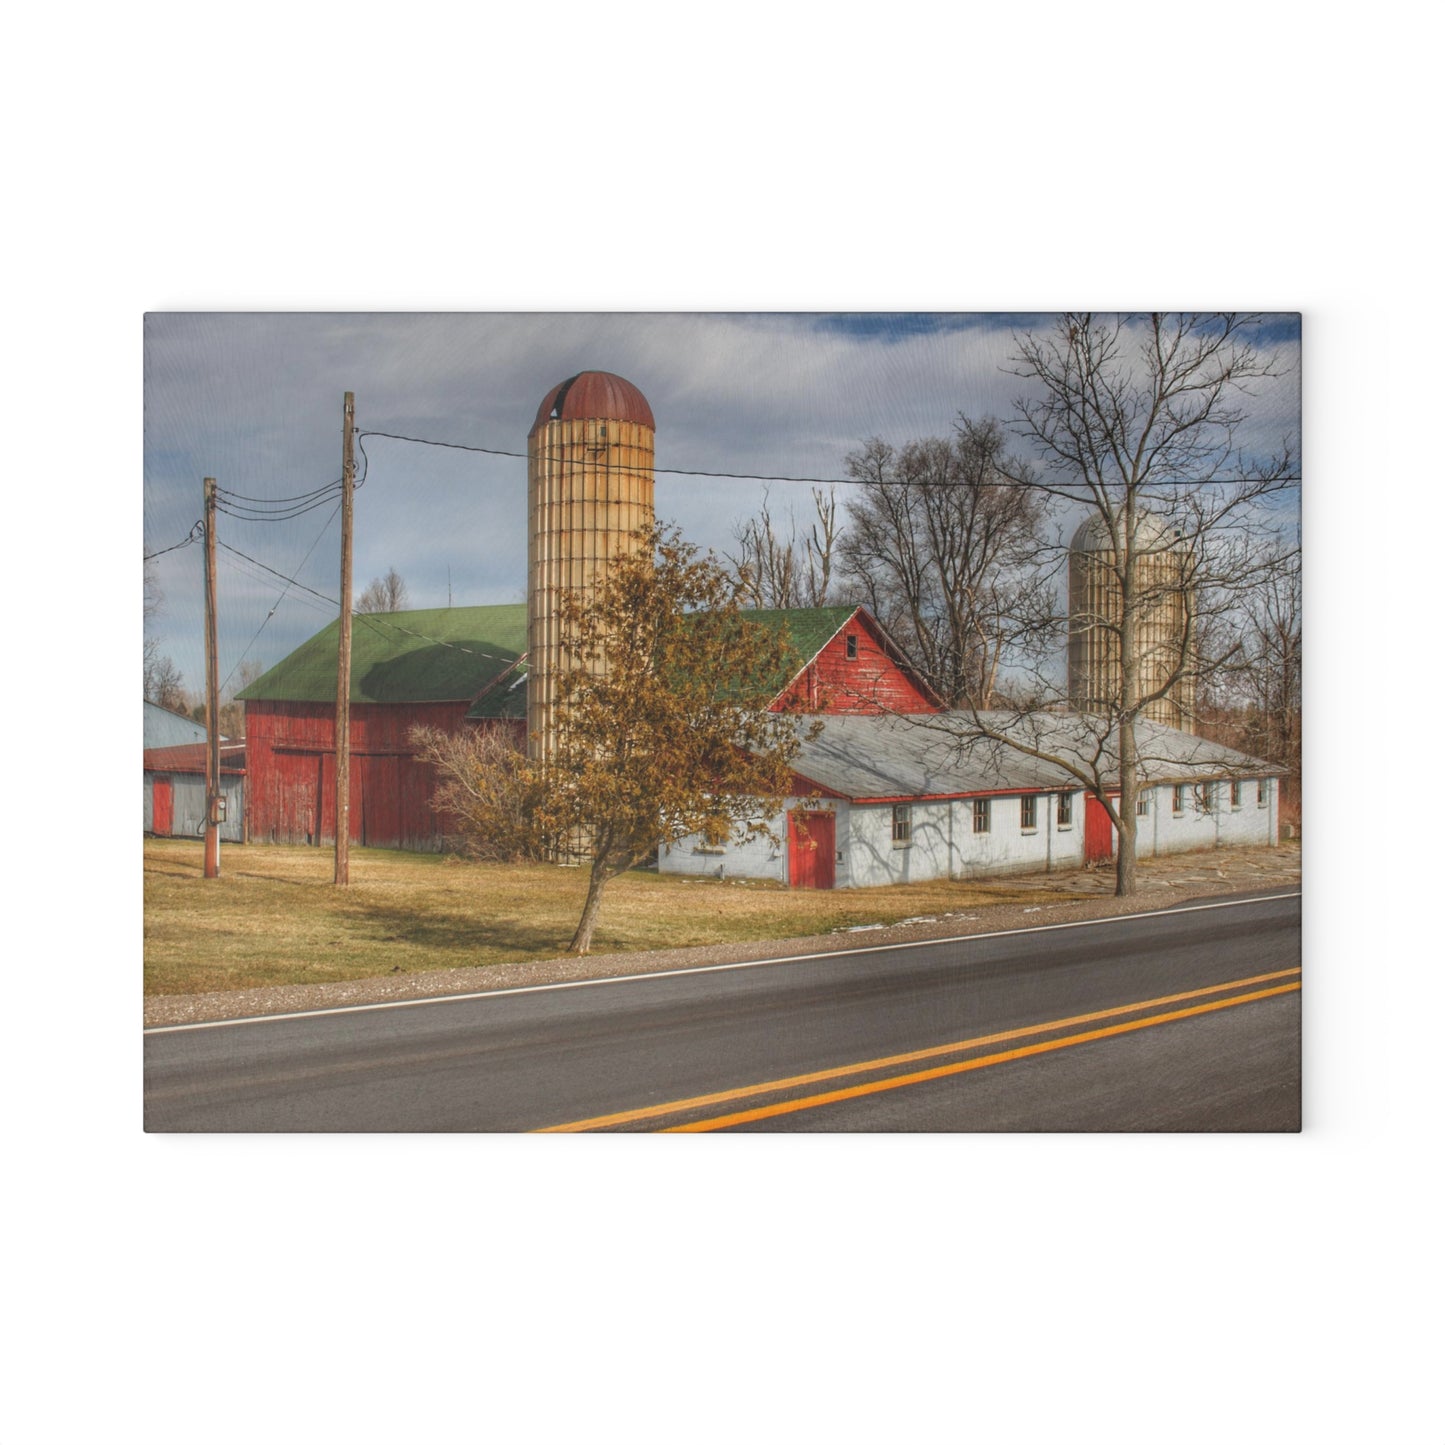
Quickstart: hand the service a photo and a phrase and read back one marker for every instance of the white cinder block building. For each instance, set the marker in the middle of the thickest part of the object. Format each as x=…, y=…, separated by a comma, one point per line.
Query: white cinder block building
x=887, y=799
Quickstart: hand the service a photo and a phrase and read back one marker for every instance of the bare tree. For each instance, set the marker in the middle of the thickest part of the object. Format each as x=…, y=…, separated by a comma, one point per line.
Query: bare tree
x=161, y=678
x=384, y=594
x=164, y=685
x=1136, y=422
x=1256, y=702
x=233, y=710
x=792, y=570
x=940, y=546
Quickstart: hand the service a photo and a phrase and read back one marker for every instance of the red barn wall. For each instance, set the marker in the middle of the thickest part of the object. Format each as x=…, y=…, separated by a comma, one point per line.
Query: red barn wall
x=291, y=773
x=872, y=682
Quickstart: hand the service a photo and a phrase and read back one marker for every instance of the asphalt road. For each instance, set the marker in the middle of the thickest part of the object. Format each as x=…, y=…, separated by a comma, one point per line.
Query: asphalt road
x=1187, y=1019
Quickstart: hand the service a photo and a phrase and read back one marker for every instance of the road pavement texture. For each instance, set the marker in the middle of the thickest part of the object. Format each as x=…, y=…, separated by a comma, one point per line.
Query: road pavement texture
x=1081, y=894
x=1186, y=1018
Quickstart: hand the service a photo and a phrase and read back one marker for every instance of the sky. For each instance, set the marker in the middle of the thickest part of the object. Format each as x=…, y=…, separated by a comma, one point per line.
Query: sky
x=254, y=399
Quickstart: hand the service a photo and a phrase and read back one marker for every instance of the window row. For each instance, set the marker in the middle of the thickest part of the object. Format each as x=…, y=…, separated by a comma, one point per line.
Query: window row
x=1206, y=799
x=1207, y=796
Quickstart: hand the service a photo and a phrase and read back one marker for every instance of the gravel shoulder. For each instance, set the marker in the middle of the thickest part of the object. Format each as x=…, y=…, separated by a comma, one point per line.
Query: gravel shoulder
x=1164, y=883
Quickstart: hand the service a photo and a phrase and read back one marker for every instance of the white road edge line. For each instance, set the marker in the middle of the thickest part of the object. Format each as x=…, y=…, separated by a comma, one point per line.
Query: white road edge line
x=704, y=968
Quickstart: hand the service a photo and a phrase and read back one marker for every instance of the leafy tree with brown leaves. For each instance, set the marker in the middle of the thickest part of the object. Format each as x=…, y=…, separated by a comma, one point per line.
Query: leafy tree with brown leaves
x=485, y=793
x=663, y=726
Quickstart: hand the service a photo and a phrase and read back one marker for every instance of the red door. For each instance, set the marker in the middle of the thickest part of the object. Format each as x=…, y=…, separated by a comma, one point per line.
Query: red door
x=161, y=807
x=1098, y=831
x=811, y=841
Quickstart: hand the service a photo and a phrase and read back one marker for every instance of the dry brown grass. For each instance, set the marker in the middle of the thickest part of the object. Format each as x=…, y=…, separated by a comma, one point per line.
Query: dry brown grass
x=274, y=916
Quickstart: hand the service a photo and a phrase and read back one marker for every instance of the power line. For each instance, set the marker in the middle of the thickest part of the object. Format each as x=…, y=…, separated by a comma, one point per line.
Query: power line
x=243, y=513
x=371, y=619
x=246, y=568
x=236, y=551
x=290, y=583
x=813, y=481
x=194, y=535
x=277, y=501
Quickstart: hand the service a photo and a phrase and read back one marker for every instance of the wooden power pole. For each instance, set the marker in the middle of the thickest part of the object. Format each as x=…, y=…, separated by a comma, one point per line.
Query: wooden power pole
x=343, y=659
x=212, y=860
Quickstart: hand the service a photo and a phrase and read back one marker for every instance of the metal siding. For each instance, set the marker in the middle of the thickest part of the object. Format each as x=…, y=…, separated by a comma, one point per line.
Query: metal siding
x=166, y=729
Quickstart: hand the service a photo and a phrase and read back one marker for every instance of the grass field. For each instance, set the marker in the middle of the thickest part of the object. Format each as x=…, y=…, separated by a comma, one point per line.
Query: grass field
x=274, y=916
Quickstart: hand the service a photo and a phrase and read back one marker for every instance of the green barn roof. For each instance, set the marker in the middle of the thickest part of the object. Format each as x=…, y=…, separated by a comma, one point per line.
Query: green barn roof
x=440, y=654
x=449, y=654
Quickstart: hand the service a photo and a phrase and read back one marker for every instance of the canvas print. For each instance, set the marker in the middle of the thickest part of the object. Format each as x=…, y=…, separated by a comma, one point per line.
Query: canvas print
x=847, y=722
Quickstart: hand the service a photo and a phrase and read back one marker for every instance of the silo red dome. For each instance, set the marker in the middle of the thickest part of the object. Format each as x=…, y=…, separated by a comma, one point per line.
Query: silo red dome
x=594, y=396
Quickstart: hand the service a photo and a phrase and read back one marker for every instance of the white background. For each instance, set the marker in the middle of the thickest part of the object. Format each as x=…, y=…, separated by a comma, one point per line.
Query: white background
x=420, y=1289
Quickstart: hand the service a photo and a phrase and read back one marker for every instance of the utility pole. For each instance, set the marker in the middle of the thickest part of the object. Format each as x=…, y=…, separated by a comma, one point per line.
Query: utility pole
x=211, y=867
x=343, y=660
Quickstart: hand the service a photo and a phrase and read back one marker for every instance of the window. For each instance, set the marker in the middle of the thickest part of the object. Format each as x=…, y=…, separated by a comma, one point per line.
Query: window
x=1066, y=810
x=1028, y=814
x=1141, y=805
x=1261, y=793
x=1205, y=796
x=902, y=825
x=714, y=836
x=852, y=646
x=1236, y=794
x=980, y=815
x=1178, y=799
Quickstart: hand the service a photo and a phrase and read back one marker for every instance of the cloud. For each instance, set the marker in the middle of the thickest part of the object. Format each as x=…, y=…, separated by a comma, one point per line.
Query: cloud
x=254, y=399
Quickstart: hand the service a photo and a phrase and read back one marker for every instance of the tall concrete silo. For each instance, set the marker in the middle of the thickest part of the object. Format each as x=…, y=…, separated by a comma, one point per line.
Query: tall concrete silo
x=589, y=489
x=1161, y=575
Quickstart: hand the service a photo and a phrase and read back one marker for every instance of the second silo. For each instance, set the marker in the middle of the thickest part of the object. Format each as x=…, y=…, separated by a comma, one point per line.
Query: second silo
x=1164, y=601
x=589, y=490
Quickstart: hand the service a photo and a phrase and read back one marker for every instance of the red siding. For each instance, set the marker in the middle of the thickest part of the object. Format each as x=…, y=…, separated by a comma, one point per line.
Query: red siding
x=873, y=681
x=291, y=773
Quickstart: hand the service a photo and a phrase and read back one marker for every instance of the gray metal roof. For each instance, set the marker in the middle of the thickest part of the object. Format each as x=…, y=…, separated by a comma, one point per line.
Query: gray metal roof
x=943, y=755
x=164, y=729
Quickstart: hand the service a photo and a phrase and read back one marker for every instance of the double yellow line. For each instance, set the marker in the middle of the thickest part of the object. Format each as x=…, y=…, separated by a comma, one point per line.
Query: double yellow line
x=922, y=1076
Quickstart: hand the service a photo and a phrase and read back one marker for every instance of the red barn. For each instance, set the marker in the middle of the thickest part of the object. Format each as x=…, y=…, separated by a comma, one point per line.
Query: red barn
x=465, y=666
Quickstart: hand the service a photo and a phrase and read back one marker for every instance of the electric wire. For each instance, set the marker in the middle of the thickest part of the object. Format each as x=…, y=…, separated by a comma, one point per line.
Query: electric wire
x=814, y=481
x=198, y=530
x=255, y=514
x=277, y=501
x=282, y=597
x=370, y=619
x=246, y=568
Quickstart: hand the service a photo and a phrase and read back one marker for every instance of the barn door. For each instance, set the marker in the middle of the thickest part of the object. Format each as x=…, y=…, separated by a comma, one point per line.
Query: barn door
x=162, y=807
x=812, y=838
x=1098, y=831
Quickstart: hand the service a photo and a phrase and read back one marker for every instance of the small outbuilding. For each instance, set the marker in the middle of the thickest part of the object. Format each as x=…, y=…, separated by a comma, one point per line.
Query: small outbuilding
x=175, y=791
x=174, y=771
x=886, y=798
